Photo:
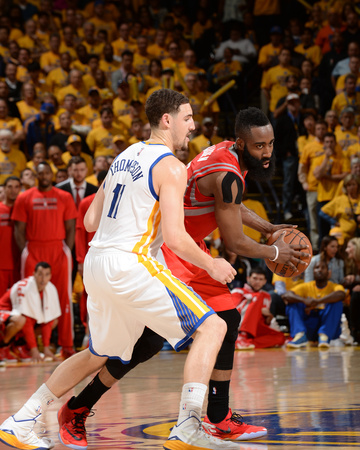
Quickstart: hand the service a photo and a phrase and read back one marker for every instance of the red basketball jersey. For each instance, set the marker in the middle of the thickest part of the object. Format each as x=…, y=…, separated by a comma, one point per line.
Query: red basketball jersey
x=9, y=251
x=199, y=209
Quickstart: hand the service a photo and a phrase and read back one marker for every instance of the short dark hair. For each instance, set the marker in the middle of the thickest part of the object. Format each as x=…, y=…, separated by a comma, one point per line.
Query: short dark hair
x=332, y=135
x=43, y=163
x=43, y=264
x=259, y=270
x=101, y=176
x=34, y=67
x=76, y=160
x=127, y=53
x=249, y=118
x=11, y=178
x=106, y=109
x=163, y=101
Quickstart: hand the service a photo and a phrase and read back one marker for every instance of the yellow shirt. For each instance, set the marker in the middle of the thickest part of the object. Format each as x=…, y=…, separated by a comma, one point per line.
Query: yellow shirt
x=312, y=53
x=108, y=68
x=268, y=51
x=121, y=107
x=49, y=59
x=342, y=100
x=310, y=158
x=185, y=70
x=327, y=188
x=100, y=142
x=141, y=63
x=108, y=26
x=197, y=101
x=345, y=138
x=259, y=209
x=66, y=156
x=120, y=45
x=89, y=114
x=200, y=143
x=12, y=163
x=266, y=7
x=26, y=111
x=81, y=95
x=89, y=81
x=157, y=52
x=302, y=141
x=340, y=83
x=170, y=63
x=290, y=282
x=310, y=289
x=92, y=179
x=95, y=49
x=26, y=42
x=352, y=151
x=198, y=29
x=342, y=211
x=57, y=79
x=11, y=123
x=4, y=52
x=274, y=81
x=65, y=49
x=223, y=69
x=84, y=68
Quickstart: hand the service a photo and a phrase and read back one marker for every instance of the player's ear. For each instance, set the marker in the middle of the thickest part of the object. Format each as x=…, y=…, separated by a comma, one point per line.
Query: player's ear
x=240, y=144
x=165, y=119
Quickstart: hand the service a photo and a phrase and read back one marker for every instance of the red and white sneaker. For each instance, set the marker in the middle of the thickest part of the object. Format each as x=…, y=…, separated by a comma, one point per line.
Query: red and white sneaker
x=21, y=352
x=8, y=356
x=233, y=428
x=72, y=431
x=243, y=343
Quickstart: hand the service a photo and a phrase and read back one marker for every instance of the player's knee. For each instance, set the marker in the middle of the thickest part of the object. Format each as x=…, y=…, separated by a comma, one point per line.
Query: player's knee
x=214, y=326
x=232, y=318
x=115, y=368
x=18, y=321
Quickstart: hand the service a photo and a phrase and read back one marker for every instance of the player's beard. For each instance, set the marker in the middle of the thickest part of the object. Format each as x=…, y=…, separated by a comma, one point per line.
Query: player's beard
x=255, y=168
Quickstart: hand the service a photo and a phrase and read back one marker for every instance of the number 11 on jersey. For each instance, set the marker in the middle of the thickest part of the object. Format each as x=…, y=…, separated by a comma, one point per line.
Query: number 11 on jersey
x=118, y=192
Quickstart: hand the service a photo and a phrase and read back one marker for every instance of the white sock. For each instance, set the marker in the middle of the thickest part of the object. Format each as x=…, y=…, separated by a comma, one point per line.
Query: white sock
x=192, y=399
x=36, y=404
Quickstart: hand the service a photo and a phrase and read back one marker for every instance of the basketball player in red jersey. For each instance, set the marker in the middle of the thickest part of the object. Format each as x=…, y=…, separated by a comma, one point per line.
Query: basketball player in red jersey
x=44, y=231
x=212, y=199
x=10, y=257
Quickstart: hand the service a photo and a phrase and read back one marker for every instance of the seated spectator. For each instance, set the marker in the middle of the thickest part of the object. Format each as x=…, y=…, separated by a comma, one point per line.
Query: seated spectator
x=28, y=106
x=227, y=69
x=108, y=64
x=258, y=208
x=353, y=150
x=69, y=105
x=159, y=48
x=74, y=148
x=281, y=285
x=206, y=139
x=329, y=252
x=99, y=139
x=14, y=86
x=175, y=56
x=75, y=87
x=257, y=327
x=51, y=60
x=91, y=111
x=324, y=36
x=61, y=175
x=189, y=65
x=55, y=159
x=314, y=309
x=244, y=50
x=346, y=132
x=268, y=53
x=39, y=155
x=349, y=97
x=309, y=133
x=12, y=124
x=100, y=164
x=27, y=179
x=308, y=49
x=40, y=128
x=136, y=130
x=58, y=77
x=36, y=299
x=352, y=282
x=329, y=172
x=12, y=161
x=332, y=120
x=354, y=68
x=343, y=212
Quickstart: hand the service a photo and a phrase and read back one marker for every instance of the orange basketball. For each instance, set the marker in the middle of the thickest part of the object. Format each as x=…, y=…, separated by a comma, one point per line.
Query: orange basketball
x=292, y=236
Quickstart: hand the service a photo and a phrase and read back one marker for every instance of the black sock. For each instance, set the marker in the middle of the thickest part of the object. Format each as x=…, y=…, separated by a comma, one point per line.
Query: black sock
x=90, y=395
x=218, y=400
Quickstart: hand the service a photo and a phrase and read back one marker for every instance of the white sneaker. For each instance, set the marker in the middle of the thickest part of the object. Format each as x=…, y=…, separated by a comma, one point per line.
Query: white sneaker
x=190, y=434
x=21, y=435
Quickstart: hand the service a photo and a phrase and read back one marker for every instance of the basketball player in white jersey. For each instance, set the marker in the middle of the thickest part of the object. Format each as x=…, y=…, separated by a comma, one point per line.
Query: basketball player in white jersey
x=140, y=205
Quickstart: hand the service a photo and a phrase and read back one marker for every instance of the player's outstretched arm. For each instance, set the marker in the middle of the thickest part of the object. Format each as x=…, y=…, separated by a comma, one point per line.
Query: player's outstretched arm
x=169, y=178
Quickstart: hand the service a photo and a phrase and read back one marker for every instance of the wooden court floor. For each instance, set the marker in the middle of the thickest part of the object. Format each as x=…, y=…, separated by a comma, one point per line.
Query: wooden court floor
x=308, y=399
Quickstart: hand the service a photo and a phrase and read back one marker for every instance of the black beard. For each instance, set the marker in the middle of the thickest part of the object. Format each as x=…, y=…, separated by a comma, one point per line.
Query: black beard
x=255, y=168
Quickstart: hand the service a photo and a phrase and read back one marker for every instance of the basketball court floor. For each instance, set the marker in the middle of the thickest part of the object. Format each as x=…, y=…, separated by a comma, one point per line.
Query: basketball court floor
x=308, y=399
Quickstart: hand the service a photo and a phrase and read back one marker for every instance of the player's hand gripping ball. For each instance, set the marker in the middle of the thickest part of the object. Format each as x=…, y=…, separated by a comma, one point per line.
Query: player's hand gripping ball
x=291, y=236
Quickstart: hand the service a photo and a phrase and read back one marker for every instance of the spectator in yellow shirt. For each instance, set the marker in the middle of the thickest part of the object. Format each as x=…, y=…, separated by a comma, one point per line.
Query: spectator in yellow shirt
x=91, y=45
x=12, y=124
x=159, y=48
x=206, y=139
x=22, y=73
x=122, y=102
x=100, y=139
x=302, y=141
x=67, y=44
x=108, y=63
x=29, y=39
x=346, y=132
x=123, y=42
x=142, y=56
x=91, y=111
x=51, y=60
x=268, y=54
x=76, y=88
x=100, y=164
x=59, y=77
x=354, y=66
x=12, y=161
x=74, y=146
x=28, y=107
x=189, y=65
x=4, y=42
x=101, y=22
x=349, y=97
x=227, y=69
x=175, y=56
x=307, y=48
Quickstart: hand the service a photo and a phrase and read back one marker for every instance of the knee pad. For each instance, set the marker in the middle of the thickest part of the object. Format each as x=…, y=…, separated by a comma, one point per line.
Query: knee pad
x=145, y=348
x=225, y=357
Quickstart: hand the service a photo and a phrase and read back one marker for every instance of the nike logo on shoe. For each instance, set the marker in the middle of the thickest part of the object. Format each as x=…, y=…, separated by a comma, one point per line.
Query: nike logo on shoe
x=228, y=431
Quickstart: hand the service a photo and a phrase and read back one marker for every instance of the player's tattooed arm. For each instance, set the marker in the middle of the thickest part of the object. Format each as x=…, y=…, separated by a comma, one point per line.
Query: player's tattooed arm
x=227, y=188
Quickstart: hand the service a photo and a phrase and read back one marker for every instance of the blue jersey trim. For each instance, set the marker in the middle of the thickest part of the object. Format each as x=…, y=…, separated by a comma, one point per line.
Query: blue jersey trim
x=151, y=186
x=188, y=339
x=91, y=348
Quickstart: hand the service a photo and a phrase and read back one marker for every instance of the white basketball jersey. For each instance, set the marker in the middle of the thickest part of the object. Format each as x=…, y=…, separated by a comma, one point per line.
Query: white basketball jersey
x=130, y=219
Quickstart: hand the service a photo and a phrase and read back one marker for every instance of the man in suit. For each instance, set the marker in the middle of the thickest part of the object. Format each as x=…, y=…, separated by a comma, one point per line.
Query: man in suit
x=76, y=184
x=78, y=188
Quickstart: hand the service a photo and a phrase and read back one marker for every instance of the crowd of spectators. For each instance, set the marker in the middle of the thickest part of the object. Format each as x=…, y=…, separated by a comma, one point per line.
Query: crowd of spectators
x=74, y=79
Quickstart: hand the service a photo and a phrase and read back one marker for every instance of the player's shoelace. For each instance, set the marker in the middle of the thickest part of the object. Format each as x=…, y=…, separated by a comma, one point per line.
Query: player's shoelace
x=236, y=418
x=79, y=421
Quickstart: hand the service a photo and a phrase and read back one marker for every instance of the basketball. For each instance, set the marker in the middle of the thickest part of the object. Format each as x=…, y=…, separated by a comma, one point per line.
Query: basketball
x=295, y=237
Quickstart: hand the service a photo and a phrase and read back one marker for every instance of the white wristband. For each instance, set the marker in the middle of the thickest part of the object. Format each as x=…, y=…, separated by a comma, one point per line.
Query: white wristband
x=276, y=253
